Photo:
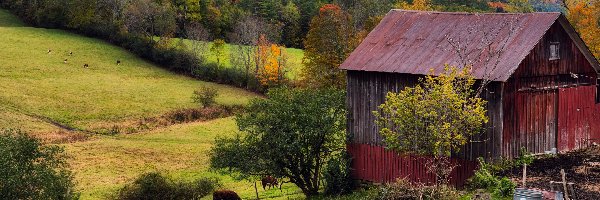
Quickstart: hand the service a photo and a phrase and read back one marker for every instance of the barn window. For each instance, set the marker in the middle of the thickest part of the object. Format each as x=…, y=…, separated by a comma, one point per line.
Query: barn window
x=554, y=51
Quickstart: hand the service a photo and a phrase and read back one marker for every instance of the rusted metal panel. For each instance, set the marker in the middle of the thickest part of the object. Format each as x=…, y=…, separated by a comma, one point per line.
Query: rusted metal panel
x=387, y=166
x=576, y=129
x=414, y=42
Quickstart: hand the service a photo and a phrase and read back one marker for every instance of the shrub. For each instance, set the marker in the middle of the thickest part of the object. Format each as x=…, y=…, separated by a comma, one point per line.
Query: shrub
x=485, y=178
x=205, y=96
x=155, y=186
x=337, y=176
x=402, y=189
x=505, y=188
x=30, y=170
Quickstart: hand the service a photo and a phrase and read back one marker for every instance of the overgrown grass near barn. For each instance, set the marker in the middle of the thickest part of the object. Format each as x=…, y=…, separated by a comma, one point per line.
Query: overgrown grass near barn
x=37, y=84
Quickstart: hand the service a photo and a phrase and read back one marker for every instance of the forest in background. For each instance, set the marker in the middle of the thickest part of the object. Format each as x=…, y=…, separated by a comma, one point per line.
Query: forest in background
x=260, y=29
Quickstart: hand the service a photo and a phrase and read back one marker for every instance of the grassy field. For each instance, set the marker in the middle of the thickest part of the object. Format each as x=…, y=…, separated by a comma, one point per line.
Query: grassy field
x=294, y=58
x=39, y=91
x=37, y=84
x=106, y=163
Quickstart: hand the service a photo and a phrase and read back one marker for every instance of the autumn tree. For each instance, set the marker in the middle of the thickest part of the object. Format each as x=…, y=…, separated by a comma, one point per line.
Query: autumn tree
x=291, y=134
x=435, y=117
x=519, y=6
x=329, y=42
x=415, y=5
x=584, y=16
x=271, y=61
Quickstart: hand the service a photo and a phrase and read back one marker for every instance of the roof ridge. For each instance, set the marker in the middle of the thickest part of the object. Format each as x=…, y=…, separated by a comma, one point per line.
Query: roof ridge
x=471, y=13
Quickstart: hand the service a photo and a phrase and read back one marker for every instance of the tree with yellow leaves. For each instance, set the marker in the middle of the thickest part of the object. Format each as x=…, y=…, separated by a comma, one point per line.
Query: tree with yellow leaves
x=271, y=60
x=583, y=15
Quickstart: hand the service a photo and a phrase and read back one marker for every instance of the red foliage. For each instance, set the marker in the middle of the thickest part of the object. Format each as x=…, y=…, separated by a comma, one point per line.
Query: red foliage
x=327, y=8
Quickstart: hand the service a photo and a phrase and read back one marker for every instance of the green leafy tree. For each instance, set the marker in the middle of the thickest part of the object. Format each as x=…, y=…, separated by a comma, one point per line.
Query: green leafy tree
x=290, y=134
x=436, y=117
x=30, y=170
x=218, y=49
x=329, y=42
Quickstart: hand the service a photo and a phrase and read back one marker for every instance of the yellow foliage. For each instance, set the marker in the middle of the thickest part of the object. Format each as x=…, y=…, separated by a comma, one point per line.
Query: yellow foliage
x=583, y=15
x=271, y=60
x=416, y=5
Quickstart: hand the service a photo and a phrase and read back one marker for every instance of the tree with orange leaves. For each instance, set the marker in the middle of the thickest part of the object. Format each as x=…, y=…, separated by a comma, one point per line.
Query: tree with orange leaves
x=584, y=15
x=270, y=60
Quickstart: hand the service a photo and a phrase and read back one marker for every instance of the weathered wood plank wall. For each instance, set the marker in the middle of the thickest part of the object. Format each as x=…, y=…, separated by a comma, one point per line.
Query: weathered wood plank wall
x=532, y=99
x=367, y=90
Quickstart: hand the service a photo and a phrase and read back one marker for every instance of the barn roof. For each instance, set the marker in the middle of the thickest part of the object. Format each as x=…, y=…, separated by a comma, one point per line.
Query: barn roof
x=414, y=42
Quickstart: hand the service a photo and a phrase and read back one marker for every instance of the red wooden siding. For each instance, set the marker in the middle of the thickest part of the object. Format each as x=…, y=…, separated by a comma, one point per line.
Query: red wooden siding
x=578, y=118
x=376, y=164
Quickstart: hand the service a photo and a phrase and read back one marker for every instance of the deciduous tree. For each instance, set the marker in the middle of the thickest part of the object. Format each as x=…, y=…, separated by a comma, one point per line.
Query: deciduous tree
x=329, y=42
x=290, y=134
x=435, y=117
x=584, y=16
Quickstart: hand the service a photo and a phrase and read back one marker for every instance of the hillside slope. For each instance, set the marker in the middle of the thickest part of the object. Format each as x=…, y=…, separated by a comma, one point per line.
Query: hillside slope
x=38, y=87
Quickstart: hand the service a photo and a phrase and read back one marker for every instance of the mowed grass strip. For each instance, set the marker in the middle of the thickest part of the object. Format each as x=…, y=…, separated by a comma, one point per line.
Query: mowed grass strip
x=35, y=82
x=107, y=163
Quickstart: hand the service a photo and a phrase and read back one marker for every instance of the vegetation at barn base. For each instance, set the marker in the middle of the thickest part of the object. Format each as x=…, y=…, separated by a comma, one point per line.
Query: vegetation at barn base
x=403, y=189
x=154, y=185
x=30, y=170
x=486, y=178
x=338, y=175
x=436, y=117
x=292, y=134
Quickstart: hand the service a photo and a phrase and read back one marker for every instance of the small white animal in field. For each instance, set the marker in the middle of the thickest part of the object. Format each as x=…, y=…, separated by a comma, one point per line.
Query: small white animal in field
x=49, y=51
x=65, y=61
x=70, y=53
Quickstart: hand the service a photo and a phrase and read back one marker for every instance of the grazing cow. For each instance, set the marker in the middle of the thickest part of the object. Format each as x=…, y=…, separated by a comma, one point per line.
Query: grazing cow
x=225, y=195
x=118, y=62
x=65, y=61
x=85, y=65
x=269, y=181
x=70, y=53
x=49, y=51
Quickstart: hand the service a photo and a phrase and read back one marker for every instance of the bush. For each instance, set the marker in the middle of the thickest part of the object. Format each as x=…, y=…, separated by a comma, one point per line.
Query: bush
x=205, y=96
x=485, y=178
x=505, y=188
x=155, y=186
x=402, y=189
x=338, y=176
x=30, y=170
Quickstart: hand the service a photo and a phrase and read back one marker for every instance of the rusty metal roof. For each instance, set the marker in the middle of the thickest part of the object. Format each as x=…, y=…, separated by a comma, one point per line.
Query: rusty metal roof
x=414, y=42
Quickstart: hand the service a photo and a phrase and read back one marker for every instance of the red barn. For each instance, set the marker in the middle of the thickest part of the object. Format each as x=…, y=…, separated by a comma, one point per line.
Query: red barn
x=543, y=90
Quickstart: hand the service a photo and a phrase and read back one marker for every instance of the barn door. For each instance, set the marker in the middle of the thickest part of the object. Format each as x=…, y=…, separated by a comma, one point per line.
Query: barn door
x=537, y=121
x=575, y=119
